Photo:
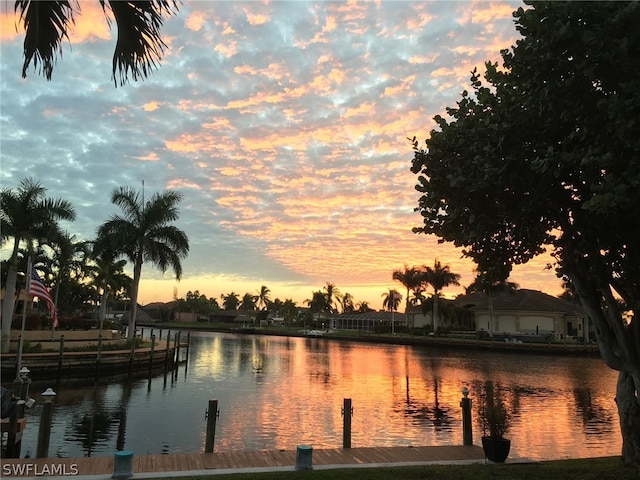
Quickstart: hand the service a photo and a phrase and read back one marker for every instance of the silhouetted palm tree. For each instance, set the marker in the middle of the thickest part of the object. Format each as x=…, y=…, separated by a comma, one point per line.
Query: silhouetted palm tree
x=230, y=301
x=391, y=300
x=26, y=216
x=332, y=296
x=491, y=283
x=439, y=277
x=144, y=234
x=138, y=49
x=412, y=279
x=263, y=298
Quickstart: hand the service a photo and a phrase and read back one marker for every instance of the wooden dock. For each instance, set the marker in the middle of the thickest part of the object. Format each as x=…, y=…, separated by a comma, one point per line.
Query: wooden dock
x=227, y=462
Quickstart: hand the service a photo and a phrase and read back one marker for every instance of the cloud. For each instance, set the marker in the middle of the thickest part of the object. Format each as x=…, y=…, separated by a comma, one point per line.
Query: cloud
x=284, y=125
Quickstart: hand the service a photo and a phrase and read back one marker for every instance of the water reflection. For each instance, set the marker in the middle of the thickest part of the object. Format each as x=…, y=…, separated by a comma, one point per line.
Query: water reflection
x=278, y=392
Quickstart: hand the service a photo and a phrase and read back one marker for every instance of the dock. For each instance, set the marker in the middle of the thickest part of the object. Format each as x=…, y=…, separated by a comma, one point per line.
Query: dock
x=158, y=466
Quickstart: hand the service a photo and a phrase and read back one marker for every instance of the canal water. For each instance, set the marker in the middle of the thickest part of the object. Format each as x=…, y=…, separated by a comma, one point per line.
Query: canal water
x=279, y=392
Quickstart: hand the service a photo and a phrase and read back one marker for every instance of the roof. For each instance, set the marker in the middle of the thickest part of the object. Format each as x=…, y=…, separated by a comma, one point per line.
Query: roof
x=522, y=299
x=371, y=316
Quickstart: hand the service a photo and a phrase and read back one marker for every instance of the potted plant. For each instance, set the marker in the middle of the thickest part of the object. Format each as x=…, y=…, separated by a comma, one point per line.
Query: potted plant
x=495, y=419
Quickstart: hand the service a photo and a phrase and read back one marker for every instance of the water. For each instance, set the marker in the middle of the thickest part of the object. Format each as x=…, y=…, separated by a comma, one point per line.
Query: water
x=279, y=392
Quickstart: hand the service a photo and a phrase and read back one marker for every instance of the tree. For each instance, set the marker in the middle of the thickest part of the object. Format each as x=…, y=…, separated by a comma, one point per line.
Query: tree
x=263, y=298
x=391, y=300
x=412, y=279
x=491, y=284
x=346, y=302
x=145, y=234
x=439, y=277
x=138, y=49
x=248, y=302
x=230, y=301
x=27, y=215
x=332, y=297
x=546, y=156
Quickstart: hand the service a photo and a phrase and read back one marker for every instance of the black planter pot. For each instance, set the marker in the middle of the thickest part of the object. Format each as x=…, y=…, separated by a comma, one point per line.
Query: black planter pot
x=496, y=449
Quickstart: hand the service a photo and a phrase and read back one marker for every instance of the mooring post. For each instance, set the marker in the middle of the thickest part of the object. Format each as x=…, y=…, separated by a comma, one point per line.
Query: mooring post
x=60, y=355
x=211, y=415
x=153, y=346
x=44, y=430
x=178, y=347
x=467, y=428
x=347, y=412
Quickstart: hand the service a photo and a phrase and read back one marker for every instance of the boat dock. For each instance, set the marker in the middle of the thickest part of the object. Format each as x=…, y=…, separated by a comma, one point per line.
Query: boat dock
x=173, y=465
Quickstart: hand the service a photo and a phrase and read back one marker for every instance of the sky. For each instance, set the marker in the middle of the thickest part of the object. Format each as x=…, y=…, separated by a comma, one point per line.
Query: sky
x=284, y=125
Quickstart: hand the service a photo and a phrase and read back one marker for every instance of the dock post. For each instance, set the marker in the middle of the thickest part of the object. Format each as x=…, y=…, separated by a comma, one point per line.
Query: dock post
x=211, y=415
x=177, y=344
x=467, y=428
x=347, y=412
x=186, y=353
x=153, y=346
x=44, y=430
x=60, y=355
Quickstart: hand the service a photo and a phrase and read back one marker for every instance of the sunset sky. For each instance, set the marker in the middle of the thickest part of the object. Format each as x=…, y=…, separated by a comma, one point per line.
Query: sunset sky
x=283, y=124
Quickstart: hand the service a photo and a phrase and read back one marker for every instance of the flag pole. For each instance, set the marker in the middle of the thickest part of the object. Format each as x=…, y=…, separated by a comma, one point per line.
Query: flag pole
x=24, y=317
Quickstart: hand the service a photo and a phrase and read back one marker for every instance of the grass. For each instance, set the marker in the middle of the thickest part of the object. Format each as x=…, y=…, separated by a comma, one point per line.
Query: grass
x=609, y=468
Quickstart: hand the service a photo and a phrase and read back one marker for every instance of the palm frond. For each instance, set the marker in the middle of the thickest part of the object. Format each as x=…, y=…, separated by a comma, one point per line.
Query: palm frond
x=139, y=46
x=45, y=25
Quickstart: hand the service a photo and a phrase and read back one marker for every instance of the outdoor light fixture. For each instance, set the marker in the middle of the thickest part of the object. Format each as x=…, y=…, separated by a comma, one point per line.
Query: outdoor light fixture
x=48, y=395
x=465, y=392
x=24, y=373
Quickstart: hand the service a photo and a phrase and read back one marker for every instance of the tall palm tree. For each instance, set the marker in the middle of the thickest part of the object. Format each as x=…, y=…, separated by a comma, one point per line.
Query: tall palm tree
x=69, y=259
x=264, y=298
x=412, y=279
x=289, y=310
x=145, y=234
x=439, y=277
x=391, y=300
x=27, y=215
x=138, y=49
x=332, y=296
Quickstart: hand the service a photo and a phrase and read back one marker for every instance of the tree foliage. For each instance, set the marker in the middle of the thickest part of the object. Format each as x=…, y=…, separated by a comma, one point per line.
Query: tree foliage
x=139, y=46
x=544, y=153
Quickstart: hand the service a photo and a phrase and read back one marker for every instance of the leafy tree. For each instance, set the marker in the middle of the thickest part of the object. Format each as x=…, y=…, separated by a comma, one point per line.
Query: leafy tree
x=544, y=154
x=412, y=279
x=27, y=215
x=138, y=49
x=289, y=310
x=439, y=276
x=145, y=234
x=491, y=284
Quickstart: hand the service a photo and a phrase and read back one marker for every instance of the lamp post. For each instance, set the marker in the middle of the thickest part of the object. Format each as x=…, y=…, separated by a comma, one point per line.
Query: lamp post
x=467, y=428
x=44, y=431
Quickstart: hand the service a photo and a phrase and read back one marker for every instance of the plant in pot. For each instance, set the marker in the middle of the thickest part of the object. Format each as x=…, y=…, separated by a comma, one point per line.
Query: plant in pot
x=495, y=419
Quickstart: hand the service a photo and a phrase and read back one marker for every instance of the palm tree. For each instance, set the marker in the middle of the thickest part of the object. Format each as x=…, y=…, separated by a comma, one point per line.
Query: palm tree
x=439, y=277
x=107, y=274
x=230, y=301
x=317, y=303
x=363, y=307
x=289, y=310
x=392, y=299
x=69, y=260
x=26, y=215
x=412, y=279
x=491, y=283
x=263, y=298
x=347, y=303
x=145, y=234
x=248, y=302
x=332, y=296
x=138, y=49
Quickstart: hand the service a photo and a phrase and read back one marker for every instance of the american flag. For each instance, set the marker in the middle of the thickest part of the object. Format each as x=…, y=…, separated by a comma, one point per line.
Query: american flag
x=37, y=289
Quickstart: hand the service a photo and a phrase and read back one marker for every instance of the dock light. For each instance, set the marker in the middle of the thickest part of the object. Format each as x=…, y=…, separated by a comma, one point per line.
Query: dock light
x=465, y=392
x=48, y=395
x=24, y=373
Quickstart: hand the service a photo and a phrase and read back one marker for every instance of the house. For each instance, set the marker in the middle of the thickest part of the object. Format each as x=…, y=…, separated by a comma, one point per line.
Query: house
x=526, y=312
x=367, y=321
